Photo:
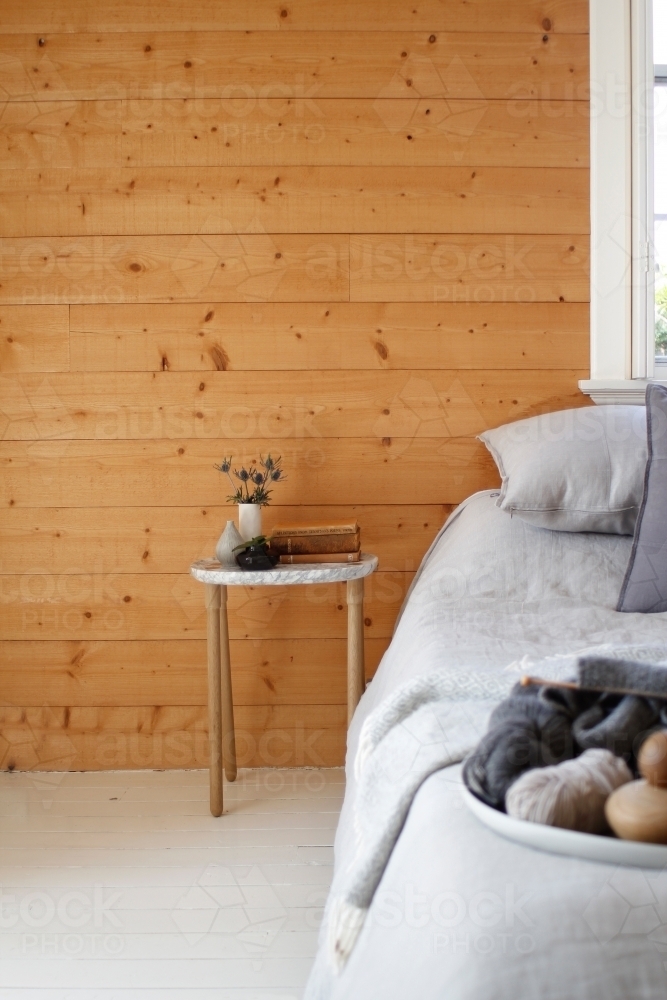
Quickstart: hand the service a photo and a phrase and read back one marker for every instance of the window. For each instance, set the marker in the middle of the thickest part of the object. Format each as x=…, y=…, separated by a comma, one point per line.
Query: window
x=660, y=182
x=628, y=198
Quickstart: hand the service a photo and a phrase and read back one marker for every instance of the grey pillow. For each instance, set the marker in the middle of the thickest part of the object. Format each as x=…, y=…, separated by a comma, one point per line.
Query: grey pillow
x=573, y=470
x=645, y=584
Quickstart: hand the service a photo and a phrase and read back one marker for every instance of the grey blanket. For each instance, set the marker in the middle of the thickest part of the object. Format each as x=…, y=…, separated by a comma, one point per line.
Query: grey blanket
x=427, y=724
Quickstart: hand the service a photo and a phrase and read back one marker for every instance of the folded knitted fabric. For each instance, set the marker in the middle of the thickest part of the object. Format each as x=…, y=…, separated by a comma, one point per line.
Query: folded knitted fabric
x=617, y=723
x=531, y=728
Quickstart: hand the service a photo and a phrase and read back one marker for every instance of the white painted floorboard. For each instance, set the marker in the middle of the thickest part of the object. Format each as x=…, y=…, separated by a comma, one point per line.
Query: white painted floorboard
x=122, y=885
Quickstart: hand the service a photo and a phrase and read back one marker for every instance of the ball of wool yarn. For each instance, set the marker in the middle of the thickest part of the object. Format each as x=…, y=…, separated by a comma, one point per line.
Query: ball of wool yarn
x=525, y=731
x=570, y=795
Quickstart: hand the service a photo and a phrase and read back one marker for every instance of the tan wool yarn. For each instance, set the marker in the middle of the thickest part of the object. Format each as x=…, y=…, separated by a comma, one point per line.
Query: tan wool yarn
x=570, y=795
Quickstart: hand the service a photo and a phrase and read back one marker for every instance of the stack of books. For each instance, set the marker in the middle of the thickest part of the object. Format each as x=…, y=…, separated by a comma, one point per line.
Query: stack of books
x=317, y=543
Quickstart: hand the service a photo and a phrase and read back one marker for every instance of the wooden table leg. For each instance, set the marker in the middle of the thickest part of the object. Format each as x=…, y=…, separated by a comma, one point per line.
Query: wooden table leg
x=228, y=734
x=356, y=679
x=213, y=617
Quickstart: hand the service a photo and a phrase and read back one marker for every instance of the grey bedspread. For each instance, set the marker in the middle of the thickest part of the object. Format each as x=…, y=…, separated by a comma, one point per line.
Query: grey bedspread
x=459, y=912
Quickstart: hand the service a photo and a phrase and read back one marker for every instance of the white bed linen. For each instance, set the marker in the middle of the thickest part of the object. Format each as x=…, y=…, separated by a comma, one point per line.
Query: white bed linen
x=460, y=913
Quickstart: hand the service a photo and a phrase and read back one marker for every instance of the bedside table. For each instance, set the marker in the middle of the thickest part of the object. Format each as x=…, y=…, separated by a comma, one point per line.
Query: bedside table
x=220, y=702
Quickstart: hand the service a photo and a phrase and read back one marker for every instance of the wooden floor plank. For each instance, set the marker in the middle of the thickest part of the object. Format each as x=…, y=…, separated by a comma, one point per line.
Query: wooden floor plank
x=137, y=885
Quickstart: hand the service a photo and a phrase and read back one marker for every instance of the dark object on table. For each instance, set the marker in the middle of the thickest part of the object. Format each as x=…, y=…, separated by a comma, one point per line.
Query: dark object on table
x=256, y=554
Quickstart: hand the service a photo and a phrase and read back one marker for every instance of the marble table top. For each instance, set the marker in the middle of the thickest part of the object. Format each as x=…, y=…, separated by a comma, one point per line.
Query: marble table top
x=210, y=571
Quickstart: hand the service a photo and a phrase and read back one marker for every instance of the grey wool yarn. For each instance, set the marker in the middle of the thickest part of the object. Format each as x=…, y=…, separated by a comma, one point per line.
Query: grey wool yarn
x=532, y=728
x=570, y=795
x=605, y=673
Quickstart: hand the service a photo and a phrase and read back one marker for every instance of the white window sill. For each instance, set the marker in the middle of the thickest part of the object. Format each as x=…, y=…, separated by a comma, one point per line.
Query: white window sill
x=632, y=391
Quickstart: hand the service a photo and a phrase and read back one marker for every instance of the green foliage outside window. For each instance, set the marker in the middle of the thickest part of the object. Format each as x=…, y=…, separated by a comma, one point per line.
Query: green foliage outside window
x=661, y=317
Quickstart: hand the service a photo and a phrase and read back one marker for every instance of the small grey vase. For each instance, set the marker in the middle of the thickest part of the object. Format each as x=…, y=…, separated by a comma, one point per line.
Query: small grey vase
x=224, y=550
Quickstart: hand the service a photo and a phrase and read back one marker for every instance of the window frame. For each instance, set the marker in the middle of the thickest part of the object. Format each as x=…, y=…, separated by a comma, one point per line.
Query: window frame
x=622, y=268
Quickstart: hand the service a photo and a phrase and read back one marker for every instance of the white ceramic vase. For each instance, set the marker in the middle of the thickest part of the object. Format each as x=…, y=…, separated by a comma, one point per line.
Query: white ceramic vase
x=250, y=520
x=224, y=550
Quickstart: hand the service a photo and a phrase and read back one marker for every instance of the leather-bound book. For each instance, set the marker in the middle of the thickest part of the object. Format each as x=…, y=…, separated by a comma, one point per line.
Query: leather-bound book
x=302, y=544
x=322, y=557
x=334, y=528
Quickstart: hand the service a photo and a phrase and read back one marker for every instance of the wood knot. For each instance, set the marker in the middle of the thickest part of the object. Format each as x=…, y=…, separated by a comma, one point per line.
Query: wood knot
x=219, y=357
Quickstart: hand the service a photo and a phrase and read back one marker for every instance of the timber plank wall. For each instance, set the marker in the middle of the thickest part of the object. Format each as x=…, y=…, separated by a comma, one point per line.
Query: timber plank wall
x=351, y=234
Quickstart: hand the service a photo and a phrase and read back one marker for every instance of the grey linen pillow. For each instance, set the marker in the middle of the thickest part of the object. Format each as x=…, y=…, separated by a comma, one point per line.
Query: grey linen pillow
x=645, y=584
x=573, y=470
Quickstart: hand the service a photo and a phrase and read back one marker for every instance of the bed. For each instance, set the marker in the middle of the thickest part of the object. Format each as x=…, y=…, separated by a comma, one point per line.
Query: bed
x=461, y=913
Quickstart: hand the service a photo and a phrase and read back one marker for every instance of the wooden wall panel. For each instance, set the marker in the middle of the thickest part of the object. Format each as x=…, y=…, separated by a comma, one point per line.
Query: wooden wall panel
x=38, y=134
x=253, y=226
x=211, y=132
x=123, y=606
x=323, y=64
x=461, y=268
x=235, y=406
x=33, y=339
x=99, y=738
x=82, y=540
x=478, y=132
x=304, y=199
x=321, y=15
x=332, y=336
x=244, y=267
x=266, y=671
x=180, y=472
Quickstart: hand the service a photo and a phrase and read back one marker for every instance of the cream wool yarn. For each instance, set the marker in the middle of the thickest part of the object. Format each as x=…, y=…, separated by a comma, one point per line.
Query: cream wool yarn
x=570, y=795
